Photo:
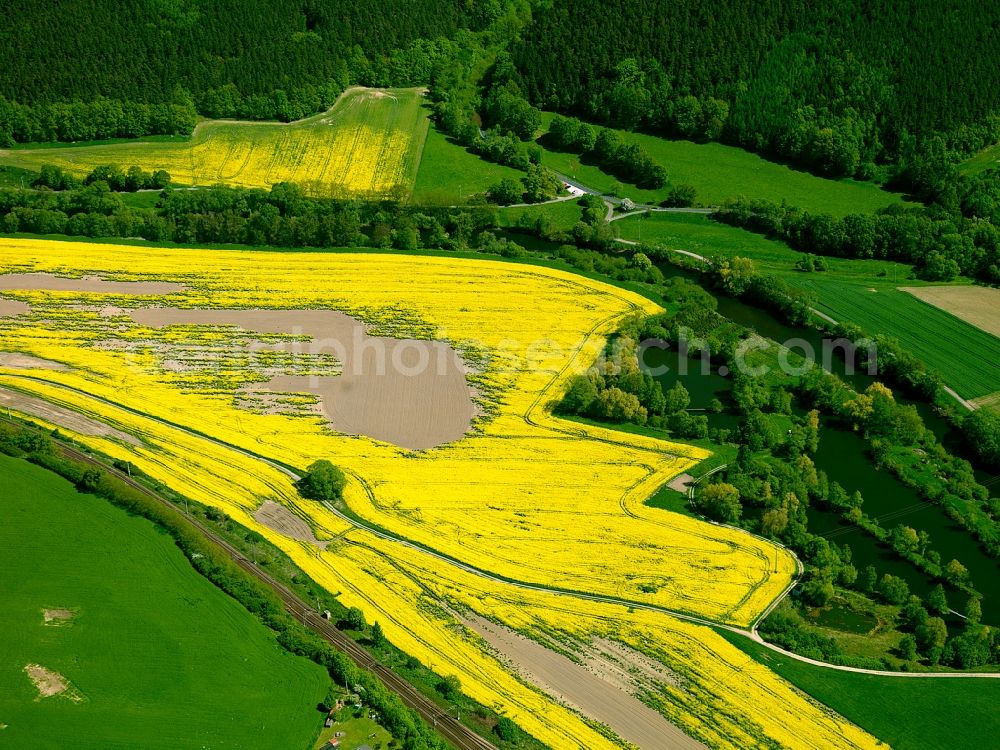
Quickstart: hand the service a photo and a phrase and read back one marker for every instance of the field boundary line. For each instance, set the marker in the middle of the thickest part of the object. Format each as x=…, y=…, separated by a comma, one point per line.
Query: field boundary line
x=694, y=619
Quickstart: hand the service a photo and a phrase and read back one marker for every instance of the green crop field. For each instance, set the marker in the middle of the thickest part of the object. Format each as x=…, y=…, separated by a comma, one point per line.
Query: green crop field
x=449, y=174
x=155, y=656
x=864, y=292
x=368, y=144
x=966, y=357
x=719, y=172
x=907, y=713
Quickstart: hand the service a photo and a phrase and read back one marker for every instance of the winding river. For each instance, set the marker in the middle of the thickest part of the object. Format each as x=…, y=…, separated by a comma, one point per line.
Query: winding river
x=843, y=456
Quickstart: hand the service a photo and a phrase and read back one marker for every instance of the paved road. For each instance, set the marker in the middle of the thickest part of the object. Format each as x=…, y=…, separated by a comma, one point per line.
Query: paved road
x=750, y=633
x=642, y=210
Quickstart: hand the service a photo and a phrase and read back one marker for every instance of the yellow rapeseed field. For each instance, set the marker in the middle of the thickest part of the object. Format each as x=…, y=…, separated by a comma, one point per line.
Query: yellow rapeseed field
x=368, y=144
x=525, y=495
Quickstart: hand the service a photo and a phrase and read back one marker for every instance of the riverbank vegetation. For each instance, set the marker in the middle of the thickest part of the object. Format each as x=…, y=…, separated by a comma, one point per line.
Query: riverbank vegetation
x=773, y=480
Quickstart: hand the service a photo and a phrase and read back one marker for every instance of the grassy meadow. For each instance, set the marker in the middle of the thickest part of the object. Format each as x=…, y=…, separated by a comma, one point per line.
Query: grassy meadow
x=988, y=158
x=562, y=215
x=864, y=292
x=907, y=713
x=719, y=172
x=367, y=145
x=450, y=175
x=155, y=655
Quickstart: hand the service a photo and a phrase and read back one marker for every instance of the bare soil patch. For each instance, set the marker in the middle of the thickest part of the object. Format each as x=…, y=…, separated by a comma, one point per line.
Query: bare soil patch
x=10, y=308
x=626, y=668
x=681, y=483
x=50, y=683
x=408, y=392
x=976, y=305
x=52, y=283
x=603, y=694
x=18, y=361
x=57, y=617
x=281, y=519
x=61, y=416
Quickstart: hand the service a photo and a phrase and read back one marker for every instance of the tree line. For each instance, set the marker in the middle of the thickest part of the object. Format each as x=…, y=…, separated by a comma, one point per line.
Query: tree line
x=940, y=245
x=609, y=149
x=116, y=179
x=834, y=87
x=142, y=68
x=98, y=119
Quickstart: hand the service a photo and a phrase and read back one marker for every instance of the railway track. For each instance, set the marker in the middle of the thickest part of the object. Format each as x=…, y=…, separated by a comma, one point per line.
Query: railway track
x=446, y=725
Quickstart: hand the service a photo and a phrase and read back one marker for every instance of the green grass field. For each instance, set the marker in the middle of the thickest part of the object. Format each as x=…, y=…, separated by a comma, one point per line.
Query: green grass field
x=864, y=292
x=368, y=145
x=700, y=234
x=158, y=656
x=720, y=172
x=907, y=713
x=564, y=215
x=449, y=174
x=356, y=732
x=986, y=159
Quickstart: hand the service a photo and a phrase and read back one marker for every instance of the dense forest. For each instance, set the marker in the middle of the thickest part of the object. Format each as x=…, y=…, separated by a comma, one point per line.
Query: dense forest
x=140, y=50
x=838, y=87
x=138, y=67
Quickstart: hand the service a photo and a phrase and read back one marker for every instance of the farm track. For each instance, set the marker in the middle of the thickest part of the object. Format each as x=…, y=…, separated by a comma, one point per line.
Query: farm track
x=750, y=633
x=455, y=732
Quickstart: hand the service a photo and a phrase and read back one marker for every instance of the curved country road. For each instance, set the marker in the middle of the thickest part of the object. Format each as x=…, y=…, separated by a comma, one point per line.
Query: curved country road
x=750, y=633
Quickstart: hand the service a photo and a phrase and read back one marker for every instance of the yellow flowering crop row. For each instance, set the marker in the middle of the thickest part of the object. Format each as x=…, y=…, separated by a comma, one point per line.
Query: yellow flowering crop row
x=723, y=698
x=524, y=495
x=369, y=144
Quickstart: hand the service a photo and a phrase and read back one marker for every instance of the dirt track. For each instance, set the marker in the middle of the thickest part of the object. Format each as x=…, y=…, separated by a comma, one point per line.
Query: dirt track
x=282, y=520
x=11, y=307
x=18, y=361
x=603, y=699
x=50, y=283
x=61, y=416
